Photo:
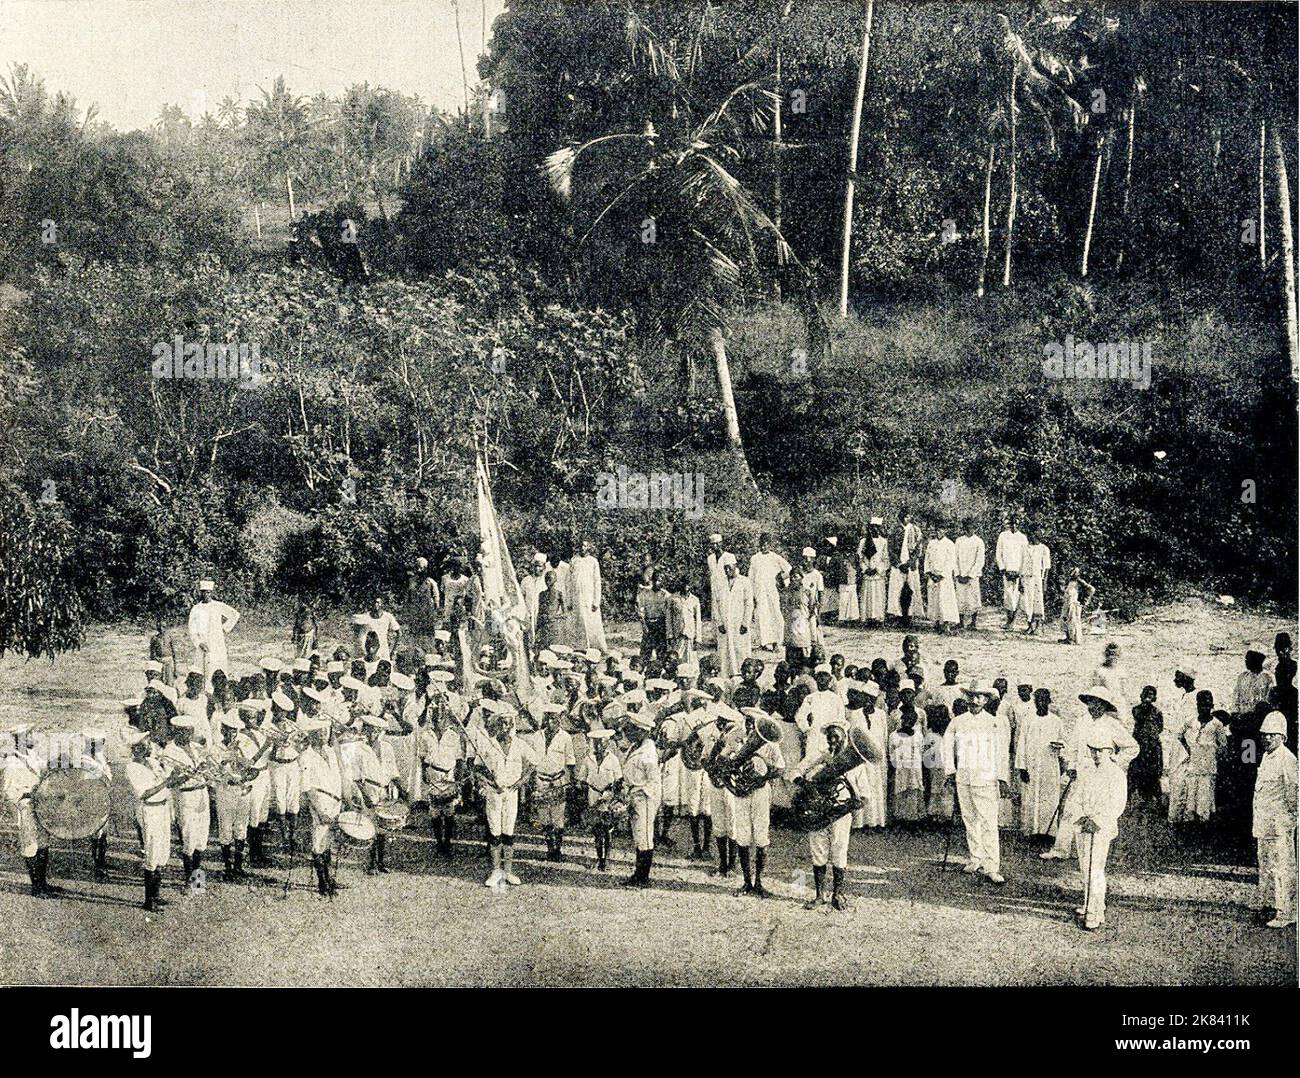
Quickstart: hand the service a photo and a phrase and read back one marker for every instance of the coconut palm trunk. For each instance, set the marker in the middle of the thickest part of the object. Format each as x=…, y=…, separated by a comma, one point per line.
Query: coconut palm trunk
x=1128, y=181
x=1288, y=251
x=855, y=131
x=722, y=367
x=1263, y=254
x=1014, y=193
x=288, y=186
x=1092, y=207
x=985, y=232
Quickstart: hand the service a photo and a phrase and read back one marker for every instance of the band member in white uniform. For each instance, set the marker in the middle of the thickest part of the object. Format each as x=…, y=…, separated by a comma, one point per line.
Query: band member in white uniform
x=830, y=844
x=644, y=780
x=602, y=774
x=322, y=783
x=441, y=749
x=21, y=770
x=151, y=783
x=504, y=763
x=752, y=812
x=286, y=772
x=190, y=800
x=233, y=794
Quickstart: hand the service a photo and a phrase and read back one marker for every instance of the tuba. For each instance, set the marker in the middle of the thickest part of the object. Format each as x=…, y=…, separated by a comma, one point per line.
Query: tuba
x=740, y=772
x=827, y=796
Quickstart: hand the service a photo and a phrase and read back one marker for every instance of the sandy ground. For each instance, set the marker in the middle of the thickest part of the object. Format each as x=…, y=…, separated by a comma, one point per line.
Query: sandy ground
x=1177, y=909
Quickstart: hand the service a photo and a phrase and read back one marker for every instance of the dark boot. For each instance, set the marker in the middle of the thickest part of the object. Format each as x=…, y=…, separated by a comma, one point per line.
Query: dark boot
x=559, y=845
x=707, y=835
x=636, y=879
x=97, y=865
x=196, y=864
x=760, y=857
x=381, y=845
x=837, y=890
x=240, y=874
x=47, y=888
x=257, y=847
x=322, y=880
x=436, y=824
x=335, y=886
x=649, y=860
x=34, y=874
x=666, y=839
x=748, y=885
x=227, y=863
x=372, y=865
x=732, y=849
x=151, y=888
x=697, y=851
x=449, y=832
x=819, y=882
x=158, y=898
x=723, y=867
x=186, y=868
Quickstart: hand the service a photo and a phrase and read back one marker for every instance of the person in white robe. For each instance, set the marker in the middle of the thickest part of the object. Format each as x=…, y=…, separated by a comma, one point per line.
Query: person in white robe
x=873, y=573
x=1114, y=676
x=906, y=570
x=769, y=573
x=735, y=641
x=587, y=598
x=1008, y=557
x=872, y=775
x=1205, y=737
x=532, y=586
x=967, y=573
x=209, y=622
x=940, y=564
x=1179, y=715
x=384, y=625
x=812, y=587
x=1040, y=737
x=717, y=580
x=1033, y=577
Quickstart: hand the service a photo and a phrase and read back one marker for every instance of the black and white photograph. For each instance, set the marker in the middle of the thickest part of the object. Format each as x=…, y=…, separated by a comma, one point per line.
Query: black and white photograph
x=637, y=494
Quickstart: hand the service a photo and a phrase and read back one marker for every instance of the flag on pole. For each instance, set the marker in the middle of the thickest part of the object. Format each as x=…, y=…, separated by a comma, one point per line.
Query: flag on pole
x=500, y=584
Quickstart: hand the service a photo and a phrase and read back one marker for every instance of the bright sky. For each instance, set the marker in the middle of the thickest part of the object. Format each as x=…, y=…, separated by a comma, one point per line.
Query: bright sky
x=131, y=57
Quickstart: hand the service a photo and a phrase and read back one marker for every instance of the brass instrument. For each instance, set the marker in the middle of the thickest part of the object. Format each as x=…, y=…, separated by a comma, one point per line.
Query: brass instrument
x=741, y=772
x=826, y=795
x=693, y=751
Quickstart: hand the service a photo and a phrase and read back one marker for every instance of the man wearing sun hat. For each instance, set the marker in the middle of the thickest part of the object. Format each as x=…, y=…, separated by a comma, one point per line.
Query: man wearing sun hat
x=975, y=762
x=1274, y=822
x=735, y=641
x=151, y=783
x=1104, y=715
x=1102, y=794
x=209, y=622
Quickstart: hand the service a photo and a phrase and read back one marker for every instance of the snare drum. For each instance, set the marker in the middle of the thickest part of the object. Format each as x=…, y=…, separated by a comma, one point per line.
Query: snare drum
x=392, y=815
x=356, y=828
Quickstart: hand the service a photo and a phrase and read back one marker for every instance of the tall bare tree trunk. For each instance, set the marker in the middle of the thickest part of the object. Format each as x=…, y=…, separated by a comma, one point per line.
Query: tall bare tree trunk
x=1288, y=251
x=985, y=231
x=288, y=186
x=1014, y=192
x=1263, y=254
x=460, y=47
x=1092, y=207
x=776, y=165
x=257, y=218
x=855, y=131
x=722, y=367
x=1128, y=180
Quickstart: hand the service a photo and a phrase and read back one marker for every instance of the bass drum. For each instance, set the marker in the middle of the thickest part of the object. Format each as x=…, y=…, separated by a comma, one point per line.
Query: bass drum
x=71, y=803
x=355, y=827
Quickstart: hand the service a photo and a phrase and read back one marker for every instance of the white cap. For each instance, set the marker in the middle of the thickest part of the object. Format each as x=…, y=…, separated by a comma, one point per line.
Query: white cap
x=688, y=670
x=206, y=585
x=808, y=552
x=715, y=537
x=153, y=666
x=442, y=635
x=442, y=676
x=878, y=521
x=398, y=680
x=823, y=668
x=271, y=663
x=833, y=540
x=334, y=667
x=906, y=684
x=302, y=664
x=592, y=655
x=281, y=701
x=314, y=694
x=349, y=682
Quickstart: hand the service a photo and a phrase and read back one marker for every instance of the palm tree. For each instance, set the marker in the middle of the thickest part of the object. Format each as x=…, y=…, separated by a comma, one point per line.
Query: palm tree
x=855, y=129
x=1038, y=77
x=279, y=132
x=706, y=221
x=229, y=112
x=1288, y=250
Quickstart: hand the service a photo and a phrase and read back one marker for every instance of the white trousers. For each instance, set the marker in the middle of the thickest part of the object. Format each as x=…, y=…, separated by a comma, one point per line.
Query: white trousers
x=501, y=810
x=644, y=808
x=751, y=817
x=1093, y=851
x=722, y=809
x=234, y=807
x=831, y=843
x=194, y=814
x=979, y=814
x=1277, y=874
x=695, y=801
